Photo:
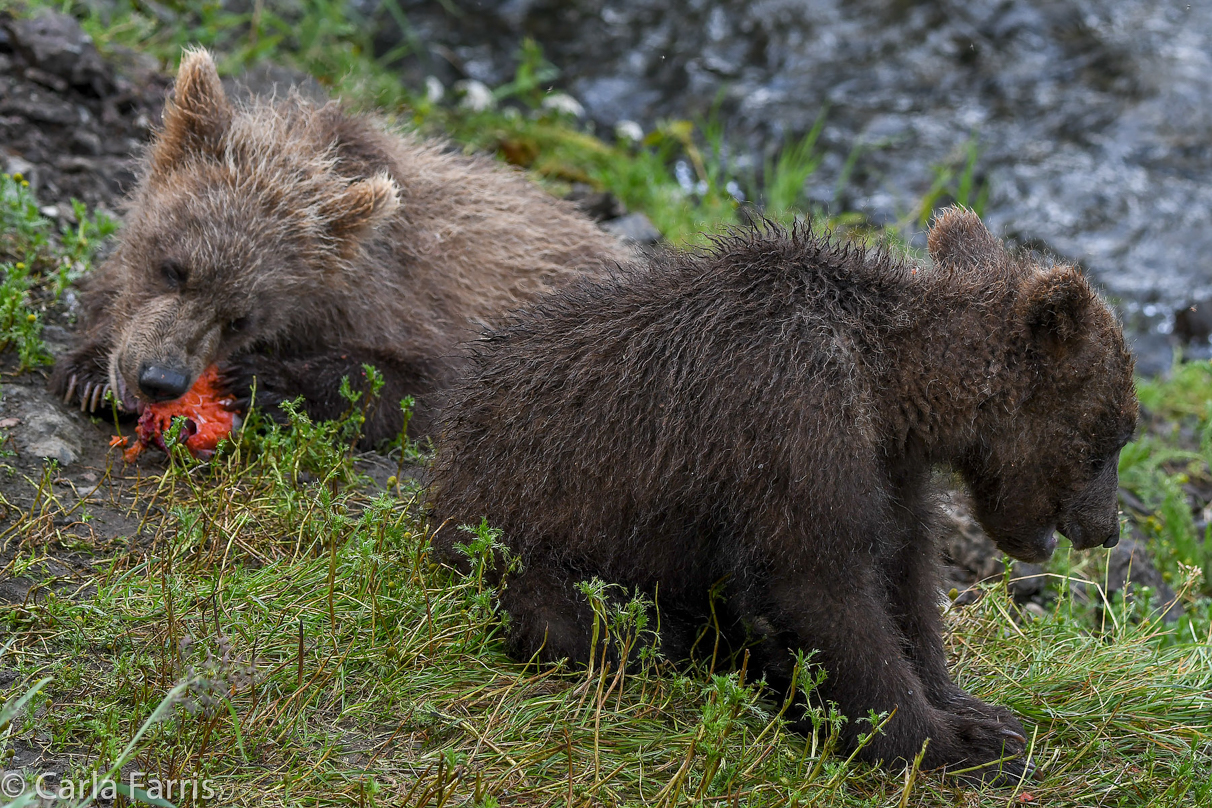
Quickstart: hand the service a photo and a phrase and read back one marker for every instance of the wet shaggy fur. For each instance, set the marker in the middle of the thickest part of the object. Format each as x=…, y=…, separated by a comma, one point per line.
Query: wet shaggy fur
x=295, y=242
x=767, y=414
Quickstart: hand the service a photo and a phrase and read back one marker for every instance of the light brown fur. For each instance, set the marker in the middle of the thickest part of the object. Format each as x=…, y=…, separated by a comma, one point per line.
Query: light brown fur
x=294, y=242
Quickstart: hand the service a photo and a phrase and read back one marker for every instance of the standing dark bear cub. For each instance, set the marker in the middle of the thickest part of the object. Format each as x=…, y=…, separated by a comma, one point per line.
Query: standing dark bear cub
x=767, y=414
x=294, y=242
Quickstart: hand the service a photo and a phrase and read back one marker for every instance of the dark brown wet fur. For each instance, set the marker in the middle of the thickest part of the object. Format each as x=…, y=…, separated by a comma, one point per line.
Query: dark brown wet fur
x=294, y=242
x=768, y=413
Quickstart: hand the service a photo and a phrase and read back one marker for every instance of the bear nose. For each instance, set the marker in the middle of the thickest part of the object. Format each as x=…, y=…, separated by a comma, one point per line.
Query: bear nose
x=163, y=382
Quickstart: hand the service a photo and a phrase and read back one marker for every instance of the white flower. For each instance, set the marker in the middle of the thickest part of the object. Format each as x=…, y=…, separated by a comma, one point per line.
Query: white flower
x=476, y=95
x=563, y=104
x=433, y=89
x=629, y=131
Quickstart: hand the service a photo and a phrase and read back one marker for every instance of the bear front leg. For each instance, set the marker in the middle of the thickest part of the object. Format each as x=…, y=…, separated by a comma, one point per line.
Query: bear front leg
x=82, y=377
x=848, y=622
x=82, y=374
x=911, y=575
x=317, y=378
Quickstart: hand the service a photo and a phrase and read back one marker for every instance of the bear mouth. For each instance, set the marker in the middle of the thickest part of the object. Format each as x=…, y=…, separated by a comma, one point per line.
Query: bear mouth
x=1074, y=533
x=127, y=403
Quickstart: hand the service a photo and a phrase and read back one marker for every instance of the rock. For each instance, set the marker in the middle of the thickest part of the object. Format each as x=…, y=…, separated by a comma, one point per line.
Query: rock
x=634, y=228
x=1034, y=610
x=59, y=98
x=973, y=557
x=965, y=544
x=1027, y=580
x=601, y=206
x=1131, y=566
x=1193, y=323
x=15, y=164
x=86, y=142
x=55, y=43
x=53, y=436
x=45, y=429
x=39, y=104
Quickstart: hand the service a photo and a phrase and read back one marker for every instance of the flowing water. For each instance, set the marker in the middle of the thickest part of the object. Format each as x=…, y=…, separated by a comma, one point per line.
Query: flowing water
x=1093, y=120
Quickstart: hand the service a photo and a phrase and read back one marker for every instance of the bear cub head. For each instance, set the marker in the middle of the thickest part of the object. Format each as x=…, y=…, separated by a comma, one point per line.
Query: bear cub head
x=239, y=236
x=1047, y=456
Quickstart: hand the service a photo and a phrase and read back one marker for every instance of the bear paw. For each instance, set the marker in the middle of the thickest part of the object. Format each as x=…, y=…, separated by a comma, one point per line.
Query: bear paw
x=83, y=377
x=255, y=379
x=964, y=704
x=983, y=748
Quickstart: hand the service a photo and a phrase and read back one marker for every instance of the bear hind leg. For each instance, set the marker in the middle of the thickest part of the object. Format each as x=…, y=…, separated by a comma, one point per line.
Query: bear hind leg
x=551, y=619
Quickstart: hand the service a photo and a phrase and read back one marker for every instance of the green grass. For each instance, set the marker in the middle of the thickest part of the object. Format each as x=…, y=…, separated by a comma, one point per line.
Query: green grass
x=1169, y=468
x=328, y=660
x=274, y=624
x=24, y=245
x=36, y=265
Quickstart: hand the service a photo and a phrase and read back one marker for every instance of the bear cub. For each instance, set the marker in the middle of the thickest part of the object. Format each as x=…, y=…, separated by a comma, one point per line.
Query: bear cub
x=767, y=414
x=294, y=243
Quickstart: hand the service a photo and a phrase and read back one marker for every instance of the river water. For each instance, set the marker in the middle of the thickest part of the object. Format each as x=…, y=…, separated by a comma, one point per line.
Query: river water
x=1093, y=120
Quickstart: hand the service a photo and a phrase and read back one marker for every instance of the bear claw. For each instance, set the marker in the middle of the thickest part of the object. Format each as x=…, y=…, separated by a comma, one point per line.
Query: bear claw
x=90, y=397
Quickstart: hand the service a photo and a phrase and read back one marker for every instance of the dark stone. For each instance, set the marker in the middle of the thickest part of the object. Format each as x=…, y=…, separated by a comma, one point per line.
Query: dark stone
x=57, y=44
x=601, y=206
x=72, y=122
x=1027, y=581
x=634, y=228
x=36, y=104
x=46, y=79
x=1193, y=323
x=86, y=142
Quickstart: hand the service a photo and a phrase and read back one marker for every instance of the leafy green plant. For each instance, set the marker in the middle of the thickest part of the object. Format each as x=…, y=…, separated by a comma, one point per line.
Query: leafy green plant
x=532, y=78
x=30, y=256
x=956, y=184
x=785, y=176
x=78, y=243
x=20, y=324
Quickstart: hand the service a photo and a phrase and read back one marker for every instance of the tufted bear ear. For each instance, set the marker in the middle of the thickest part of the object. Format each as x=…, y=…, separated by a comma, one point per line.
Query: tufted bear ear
x=958, y=238
x=363, y=205
x=1054, y=305
x=196, y=116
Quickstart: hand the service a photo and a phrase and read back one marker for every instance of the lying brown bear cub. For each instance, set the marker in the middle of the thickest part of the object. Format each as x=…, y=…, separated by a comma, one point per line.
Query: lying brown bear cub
x=295, y=242
x=768, y=414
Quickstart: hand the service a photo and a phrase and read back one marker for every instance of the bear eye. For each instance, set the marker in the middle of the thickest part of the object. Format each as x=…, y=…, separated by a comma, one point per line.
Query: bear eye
x=174, y=273
x=239, y=325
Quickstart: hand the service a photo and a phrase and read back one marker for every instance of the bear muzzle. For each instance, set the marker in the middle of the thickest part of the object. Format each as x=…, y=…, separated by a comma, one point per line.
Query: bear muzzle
x=1085, y=536
x=164, y=382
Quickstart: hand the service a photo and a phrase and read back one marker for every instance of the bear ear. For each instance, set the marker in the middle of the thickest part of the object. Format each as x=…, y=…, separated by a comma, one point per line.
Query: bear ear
x=363, y=205
x=958, y=238
x=197, y=115
x=1054, y=306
